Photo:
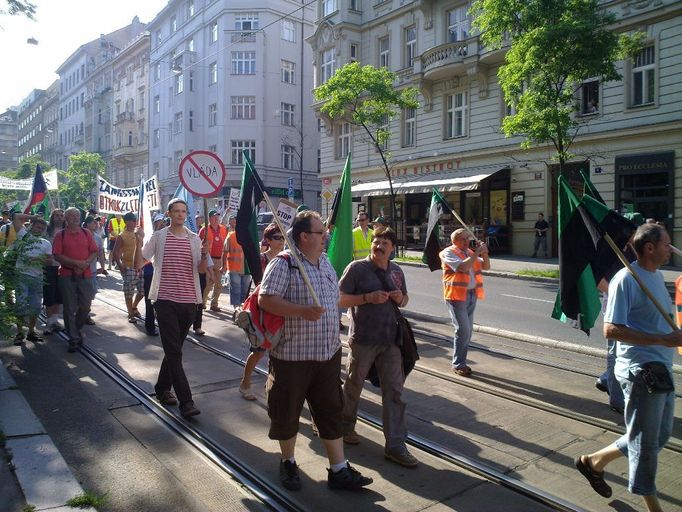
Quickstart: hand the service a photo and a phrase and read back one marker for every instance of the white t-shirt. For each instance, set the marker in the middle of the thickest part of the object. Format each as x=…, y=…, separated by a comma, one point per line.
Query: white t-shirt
x=33, y=255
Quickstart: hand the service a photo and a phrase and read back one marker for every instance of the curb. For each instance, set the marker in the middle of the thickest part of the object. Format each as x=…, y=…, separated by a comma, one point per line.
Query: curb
x=527, y=338
x=43, y=475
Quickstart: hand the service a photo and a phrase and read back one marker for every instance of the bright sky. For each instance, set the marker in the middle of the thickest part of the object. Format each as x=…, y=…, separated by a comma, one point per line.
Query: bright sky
x=61, y=26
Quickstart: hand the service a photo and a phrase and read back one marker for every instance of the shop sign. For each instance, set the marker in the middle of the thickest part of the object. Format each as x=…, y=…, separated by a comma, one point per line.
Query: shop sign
x=414, y=170
x=647, y=162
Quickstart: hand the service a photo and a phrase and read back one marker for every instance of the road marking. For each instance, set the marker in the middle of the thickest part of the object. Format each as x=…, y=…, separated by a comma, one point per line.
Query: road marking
x=526, y=298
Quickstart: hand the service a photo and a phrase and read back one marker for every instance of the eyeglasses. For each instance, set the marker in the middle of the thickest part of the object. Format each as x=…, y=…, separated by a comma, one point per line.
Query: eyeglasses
x=276, y=237
x=316, y=232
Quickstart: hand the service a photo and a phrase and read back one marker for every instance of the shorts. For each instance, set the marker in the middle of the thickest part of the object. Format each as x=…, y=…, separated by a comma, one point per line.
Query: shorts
x=132, y=279
x=290, y=383
x=51, y=294
x=29, y=295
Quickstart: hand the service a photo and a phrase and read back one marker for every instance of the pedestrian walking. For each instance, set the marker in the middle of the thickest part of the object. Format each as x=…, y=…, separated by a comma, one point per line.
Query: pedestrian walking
x=462, y=287
x=646, y=347
x=362, y=237
x=541, y=227
x=147, y=269
x=306, y=364
x=124, y=257
x=33, y=253
x=93, y=226
x=233, y=264
x=115, y=227
x=216, y=233
x=74, y=248
x=373, y=289
x=178, y=257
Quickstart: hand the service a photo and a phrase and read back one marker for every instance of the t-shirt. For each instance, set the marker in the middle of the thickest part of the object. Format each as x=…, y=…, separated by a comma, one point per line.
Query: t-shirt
x=628, y=305
x=177, y=271
x=33, y=253
x=77, y=245
x=216, y=239
x=372, y=324
x=541, y=224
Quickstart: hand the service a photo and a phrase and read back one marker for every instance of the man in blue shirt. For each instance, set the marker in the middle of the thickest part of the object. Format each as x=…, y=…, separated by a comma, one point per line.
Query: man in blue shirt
x=645, y=344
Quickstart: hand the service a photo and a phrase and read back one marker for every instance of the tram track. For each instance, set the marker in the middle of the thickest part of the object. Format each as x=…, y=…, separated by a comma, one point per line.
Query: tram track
x=469, y=464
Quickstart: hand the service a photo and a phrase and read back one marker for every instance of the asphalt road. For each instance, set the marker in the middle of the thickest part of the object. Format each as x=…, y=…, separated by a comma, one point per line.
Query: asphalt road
x=511, y=304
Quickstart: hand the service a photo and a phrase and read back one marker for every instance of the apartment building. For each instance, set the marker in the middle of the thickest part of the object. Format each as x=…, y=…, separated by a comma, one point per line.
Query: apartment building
x=30, y=124
x=49, y=152
x=629, y=141
x=8, y=140
x=228, y=76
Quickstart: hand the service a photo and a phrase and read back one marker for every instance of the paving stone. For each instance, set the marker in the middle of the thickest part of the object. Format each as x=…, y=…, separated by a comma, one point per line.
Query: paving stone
x=16, y=416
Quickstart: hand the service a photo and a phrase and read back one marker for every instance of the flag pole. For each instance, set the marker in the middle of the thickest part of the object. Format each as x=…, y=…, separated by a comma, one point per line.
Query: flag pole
x=641, y=284
x=301, y=268
x=459, y=219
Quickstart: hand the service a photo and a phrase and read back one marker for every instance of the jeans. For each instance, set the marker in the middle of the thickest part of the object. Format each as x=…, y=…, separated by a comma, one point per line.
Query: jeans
x=389, y=363
x=462, y=316
x=239, y=288
x=76, y=297
x=608, y=378
x=540, y=241
x=649, y=423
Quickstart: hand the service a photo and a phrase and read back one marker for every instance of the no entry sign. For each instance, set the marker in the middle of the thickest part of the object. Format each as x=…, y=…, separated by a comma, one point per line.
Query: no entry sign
x=202, y=173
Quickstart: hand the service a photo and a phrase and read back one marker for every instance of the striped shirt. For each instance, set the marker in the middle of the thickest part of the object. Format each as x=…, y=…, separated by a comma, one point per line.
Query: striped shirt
x=177, y=271
x=304, y=340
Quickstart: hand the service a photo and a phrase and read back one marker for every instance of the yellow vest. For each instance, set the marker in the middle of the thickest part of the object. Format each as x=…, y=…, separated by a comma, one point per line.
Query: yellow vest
x=117, y=226
x=361, y=243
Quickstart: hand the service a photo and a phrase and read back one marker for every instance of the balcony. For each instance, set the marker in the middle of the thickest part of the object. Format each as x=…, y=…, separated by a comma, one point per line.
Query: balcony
x=450, y=59
x=243, y=37
x=128, y=152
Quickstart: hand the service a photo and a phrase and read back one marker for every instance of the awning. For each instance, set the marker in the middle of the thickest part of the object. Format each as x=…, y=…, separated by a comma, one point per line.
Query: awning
x=458, y=180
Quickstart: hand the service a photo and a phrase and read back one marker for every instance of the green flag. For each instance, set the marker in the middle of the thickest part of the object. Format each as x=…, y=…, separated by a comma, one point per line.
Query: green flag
x=585, y=258
x=246, y=228
x=590, y=189
x=432, y=248
x=340, y=250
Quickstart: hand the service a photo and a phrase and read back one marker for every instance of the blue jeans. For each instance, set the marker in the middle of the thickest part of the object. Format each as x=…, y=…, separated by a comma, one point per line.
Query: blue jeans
x=462, y=316
x=648, y=422
x=608, y=378
x=239, y=288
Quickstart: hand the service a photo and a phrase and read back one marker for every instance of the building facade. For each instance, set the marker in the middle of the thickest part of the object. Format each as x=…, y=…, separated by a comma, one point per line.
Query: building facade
x=233, y=76
x=9, y=154
x=30, y=124
x=629, y=141
x=50, y=151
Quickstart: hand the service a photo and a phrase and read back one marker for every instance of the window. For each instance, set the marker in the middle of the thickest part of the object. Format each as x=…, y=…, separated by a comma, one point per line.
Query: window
x=190, y=8
x=343, y=141
x=644, y=77
x=212, y=73
x=410, y=36
x=246, y=22
x=456, y=118
x=191, y=120
x=244, y=63
x=589, y=98
x=173, y=24
x=157, y=37
x=383, y=133
x=288, y=157
x=176, y=161
x=157, y=72
x=288, y=31
x=179, y=83
x=354, y=5
x=190, y=44
x=409, y=126
x=177, y=124
x=130, y=138
x=328, y=7
x=458, y=24
x=156, y=138
x=213, y=32
x=287, y=113
x=288, y=69
x=327, y=65
x=212, y=114
x=213, y=148
x=354, y=52
x=170, y=132
x=238, y=146
x=243, y=107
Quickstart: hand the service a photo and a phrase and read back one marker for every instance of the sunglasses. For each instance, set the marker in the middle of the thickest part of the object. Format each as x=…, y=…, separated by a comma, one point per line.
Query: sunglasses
x=276, y=237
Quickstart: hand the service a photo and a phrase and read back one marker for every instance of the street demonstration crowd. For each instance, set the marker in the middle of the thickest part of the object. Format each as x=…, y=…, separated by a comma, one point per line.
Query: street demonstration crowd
x=179, y=274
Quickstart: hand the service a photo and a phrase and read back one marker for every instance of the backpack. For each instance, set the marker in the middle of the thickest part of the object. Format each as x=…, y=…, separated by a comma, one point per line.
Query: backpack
x=263, y=330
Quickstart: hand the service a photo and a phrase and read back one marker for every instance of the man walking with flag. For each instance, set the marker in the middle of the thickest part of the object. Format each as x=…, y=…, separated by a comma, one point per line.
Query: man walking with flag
x=462, y=288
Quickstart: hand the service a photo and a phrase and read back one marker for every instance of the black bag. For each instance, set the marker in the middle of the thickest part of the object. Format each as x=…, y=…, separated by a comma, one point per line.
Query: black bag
x=656, y=378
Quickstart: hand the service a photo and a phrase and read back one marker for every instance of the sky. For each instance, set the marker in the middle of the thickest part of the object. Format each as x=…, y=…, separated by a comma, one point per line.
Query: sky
x=61, y=26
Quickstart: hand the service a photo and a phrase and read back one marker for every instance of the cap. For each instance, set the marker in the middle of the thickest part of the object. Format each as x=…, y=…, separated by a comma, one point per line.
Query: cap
x=213, y=212
x=158, y=217
x=302, y=208
x=379, y=220
x=130, y=216
x=88, y=220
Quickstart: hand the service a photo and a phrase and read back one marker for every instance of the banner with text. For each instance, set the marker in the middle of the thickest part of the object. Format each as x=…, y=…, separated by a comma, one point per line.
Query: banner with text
x=112, y=199
x=10, y=184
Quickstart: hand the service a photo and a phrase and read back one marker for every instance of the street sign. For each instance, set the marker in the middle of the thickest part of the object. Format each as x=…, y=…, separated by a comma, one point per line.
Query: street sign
x=326, y=194
x=286, y=211
x=290, y=192
x=202, y=173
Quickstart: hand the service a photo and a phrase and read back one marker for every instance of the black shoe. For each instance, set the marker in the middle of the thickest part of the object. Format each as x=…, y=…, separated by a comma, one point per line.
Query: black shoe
x=34, y=337
x=153, y=333
x=167, y=398
x=19, y=339
x=601, y=387
x=288, y=475
x=348, y=479
x=89, y=321
x=187, y=410
x=73, y=346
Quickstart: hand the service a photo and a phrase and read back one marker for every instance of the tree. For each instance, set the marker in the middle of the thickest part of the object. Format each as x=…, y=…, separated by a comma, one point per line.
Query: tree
x=25, y=169
x=365, y=96
x=24, y=7
x=79, y=184
x=556, y=45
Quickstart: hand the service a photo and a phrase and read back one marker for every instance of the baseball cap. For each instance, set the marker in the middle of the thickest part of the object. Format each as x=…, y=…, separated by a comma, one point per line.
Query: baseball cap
x=130, y=216
x=158, y=217
x=213, y=212
x=379, y=220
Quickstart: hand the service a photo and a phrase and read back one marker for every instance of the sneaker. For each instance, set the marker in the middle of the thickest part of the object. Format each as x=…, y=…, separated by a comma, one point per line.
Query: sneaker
x=348, y=479
x=465, y=371
x=288, y=475
x=167, y=398
x=34, y=337
x=19, y=339
x=351, y=438
x=187, y=410
x=404, y=458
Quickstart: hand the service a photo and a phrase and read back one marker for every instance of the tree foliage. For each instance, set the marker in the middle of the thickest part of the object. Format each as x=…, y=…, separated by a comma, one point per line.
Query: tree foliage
x=15, y=7
x=555, y=46
x=366, y=96
x=78, y=185
x=26, y=169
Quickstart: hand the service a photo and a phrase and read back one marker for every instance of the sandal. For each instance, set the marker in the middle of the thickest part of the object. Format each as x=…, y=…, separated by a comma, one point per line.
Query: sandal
x=247, y=394
x=595, y=478
x=136, y=313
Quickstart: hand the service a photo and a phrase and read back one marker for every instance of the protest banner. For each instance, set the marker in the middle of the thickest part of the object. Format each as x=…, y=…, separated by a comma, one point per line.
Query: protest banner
x=112, y=199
